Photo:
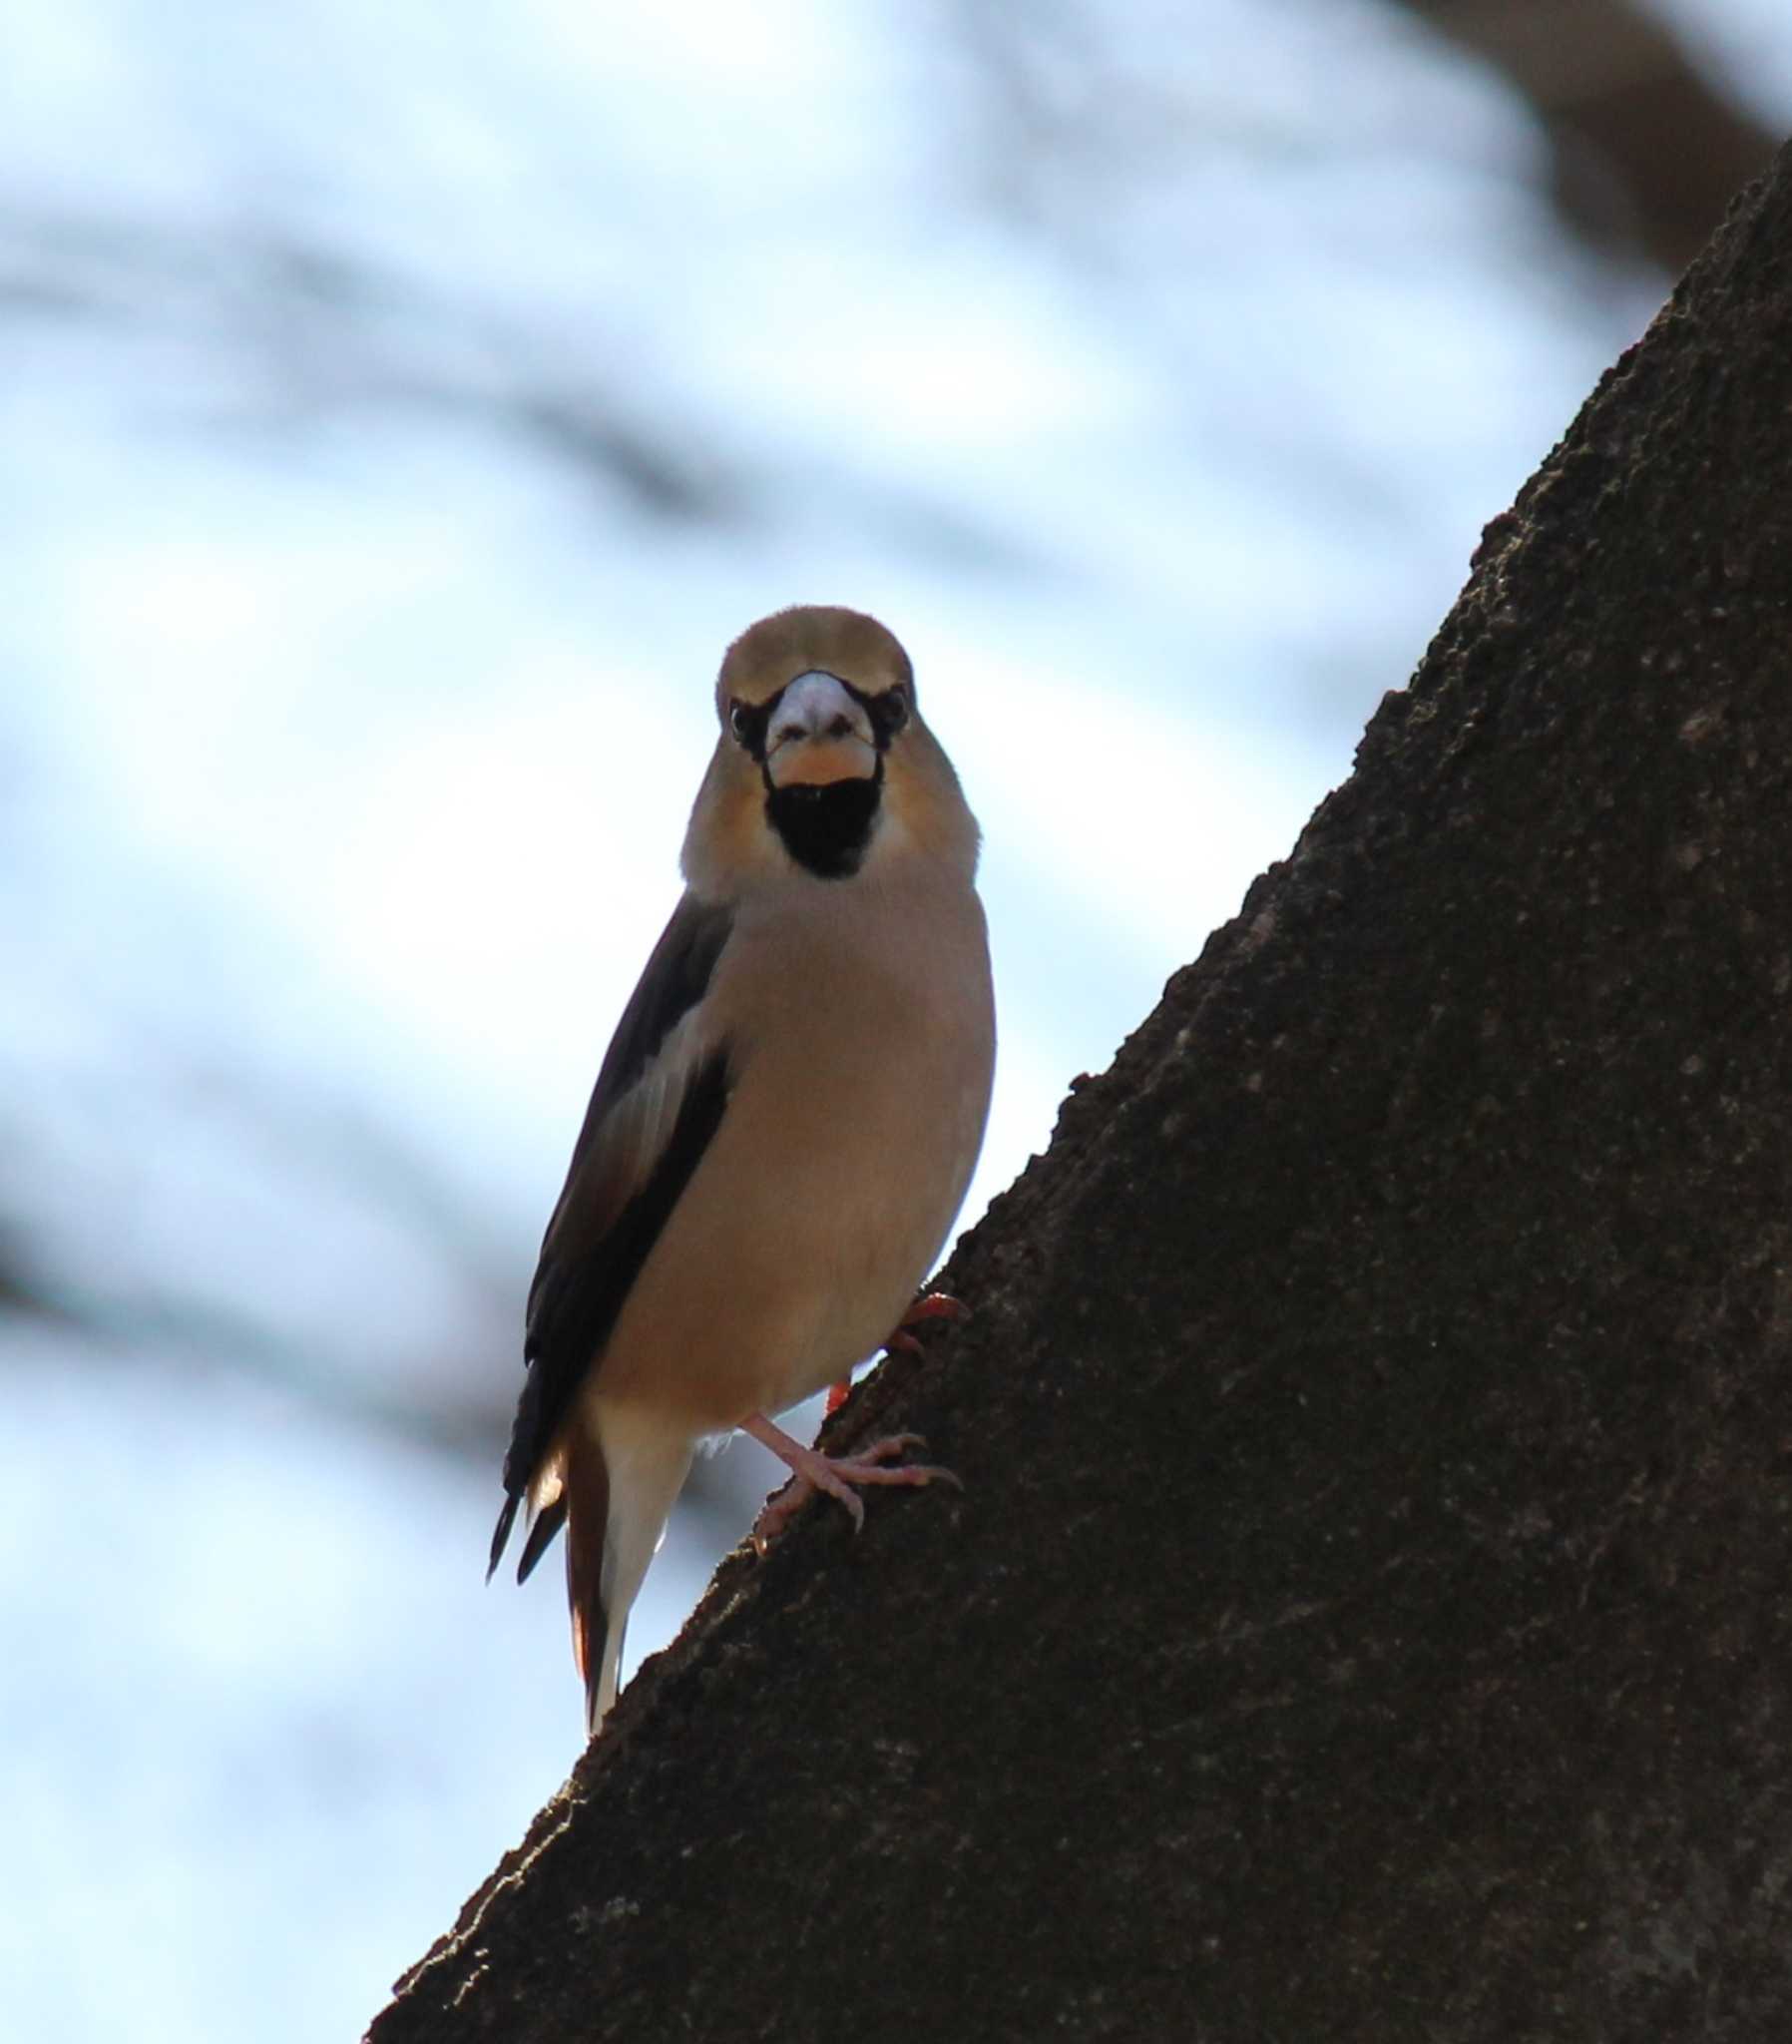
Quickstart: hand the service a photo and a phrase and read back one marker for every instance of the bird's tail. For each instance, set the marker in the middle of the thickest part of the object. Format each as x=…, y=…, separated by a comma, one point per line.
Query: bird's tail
x=625, y=1469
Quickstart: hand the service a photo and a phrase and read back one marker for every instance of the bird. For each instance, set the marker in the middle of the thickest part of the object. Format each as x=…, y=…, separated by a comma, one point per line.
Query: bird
x=783, y=1127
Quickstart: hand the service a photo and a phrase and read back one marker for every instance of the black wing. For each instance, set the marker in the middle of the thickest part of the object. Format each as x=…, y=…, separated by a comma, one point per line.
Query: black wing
x=601, y=1233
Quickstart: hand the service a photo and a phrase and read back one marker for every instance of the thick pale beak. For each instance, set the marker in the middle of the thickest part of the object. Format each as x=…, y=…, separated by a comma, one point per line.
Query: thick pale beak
x=818, y=734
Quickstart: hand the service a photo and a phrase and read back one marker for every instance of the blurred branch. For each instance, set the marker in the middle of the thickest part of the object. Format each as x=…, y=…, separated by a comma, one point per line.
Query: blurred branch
x=22, y=1289
x=327, y=331
x=292, y=332
x=1645, y=152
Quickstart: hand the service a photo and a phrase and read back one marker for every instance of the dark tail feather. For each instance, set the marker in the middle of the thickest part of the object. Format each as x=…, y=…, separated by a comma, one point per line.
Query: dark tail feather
x=506, y=1517
x=541, y=1536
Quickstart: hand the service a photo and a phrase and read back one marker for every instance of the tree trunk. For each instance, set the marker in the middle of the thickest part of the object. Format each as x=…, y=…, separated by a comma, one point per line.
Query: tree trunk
x=1369, y=1615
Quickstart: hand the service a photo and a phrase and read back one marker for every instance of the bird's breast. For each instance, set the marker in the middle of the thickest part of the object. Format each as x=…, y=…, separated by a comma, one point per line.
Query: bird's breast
x=861, y=1049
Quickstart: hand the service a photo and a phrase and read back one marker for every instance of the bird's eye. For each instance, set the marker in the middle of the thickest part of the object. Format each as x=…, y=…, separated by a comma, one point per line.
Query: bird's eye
x=741, y=721
x=890, y=712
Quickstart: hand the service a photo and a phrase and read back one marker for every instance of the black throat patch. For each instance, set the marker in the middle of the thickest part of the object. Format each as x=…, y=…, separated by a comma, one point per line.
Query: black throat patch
x=826, y=830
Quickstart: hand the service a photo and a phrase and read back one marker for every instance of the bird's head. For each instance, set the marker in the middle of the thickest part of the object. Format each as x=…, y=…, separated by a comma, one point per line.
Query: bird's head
x=823, y=762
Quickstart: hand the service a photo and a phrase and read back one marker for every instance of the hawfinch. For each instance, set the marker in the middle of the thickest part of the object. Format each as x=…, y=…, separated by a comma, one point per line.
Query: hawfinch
x=783, y=1127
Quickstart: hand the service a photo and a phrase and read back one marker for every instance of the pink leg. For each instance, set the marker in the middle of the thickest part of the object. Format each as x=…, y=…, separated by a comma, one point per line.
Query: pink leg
x=928, y=1306
x=834, y=1474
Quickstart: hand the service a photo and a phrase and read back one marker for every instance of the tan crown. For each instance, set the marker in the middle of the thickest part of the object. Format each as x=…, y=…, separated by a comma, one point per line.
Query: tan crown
x=789, y=643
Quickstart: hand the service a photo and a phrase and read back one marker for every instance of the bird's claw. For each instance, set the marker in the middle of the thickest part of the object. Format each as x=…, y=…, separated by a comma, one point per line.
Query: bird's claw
x=835, y=1475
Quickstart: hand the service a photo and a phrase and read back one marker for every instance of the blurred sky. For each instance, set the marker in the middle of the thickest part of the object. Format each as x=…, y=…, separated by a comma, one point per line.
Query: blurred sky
x=401, y=407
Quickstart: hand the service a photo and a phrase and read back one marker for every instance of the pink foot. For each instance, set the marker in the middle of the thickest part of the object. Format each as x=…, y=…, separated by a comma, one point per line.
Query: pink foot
x=834, y=1474
x=928, y=1306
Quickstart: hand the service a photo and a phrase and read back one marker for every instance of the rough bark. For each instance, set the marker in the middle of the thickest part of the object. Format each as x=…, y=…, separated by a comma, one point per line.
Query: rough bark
x=1370, y=1612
